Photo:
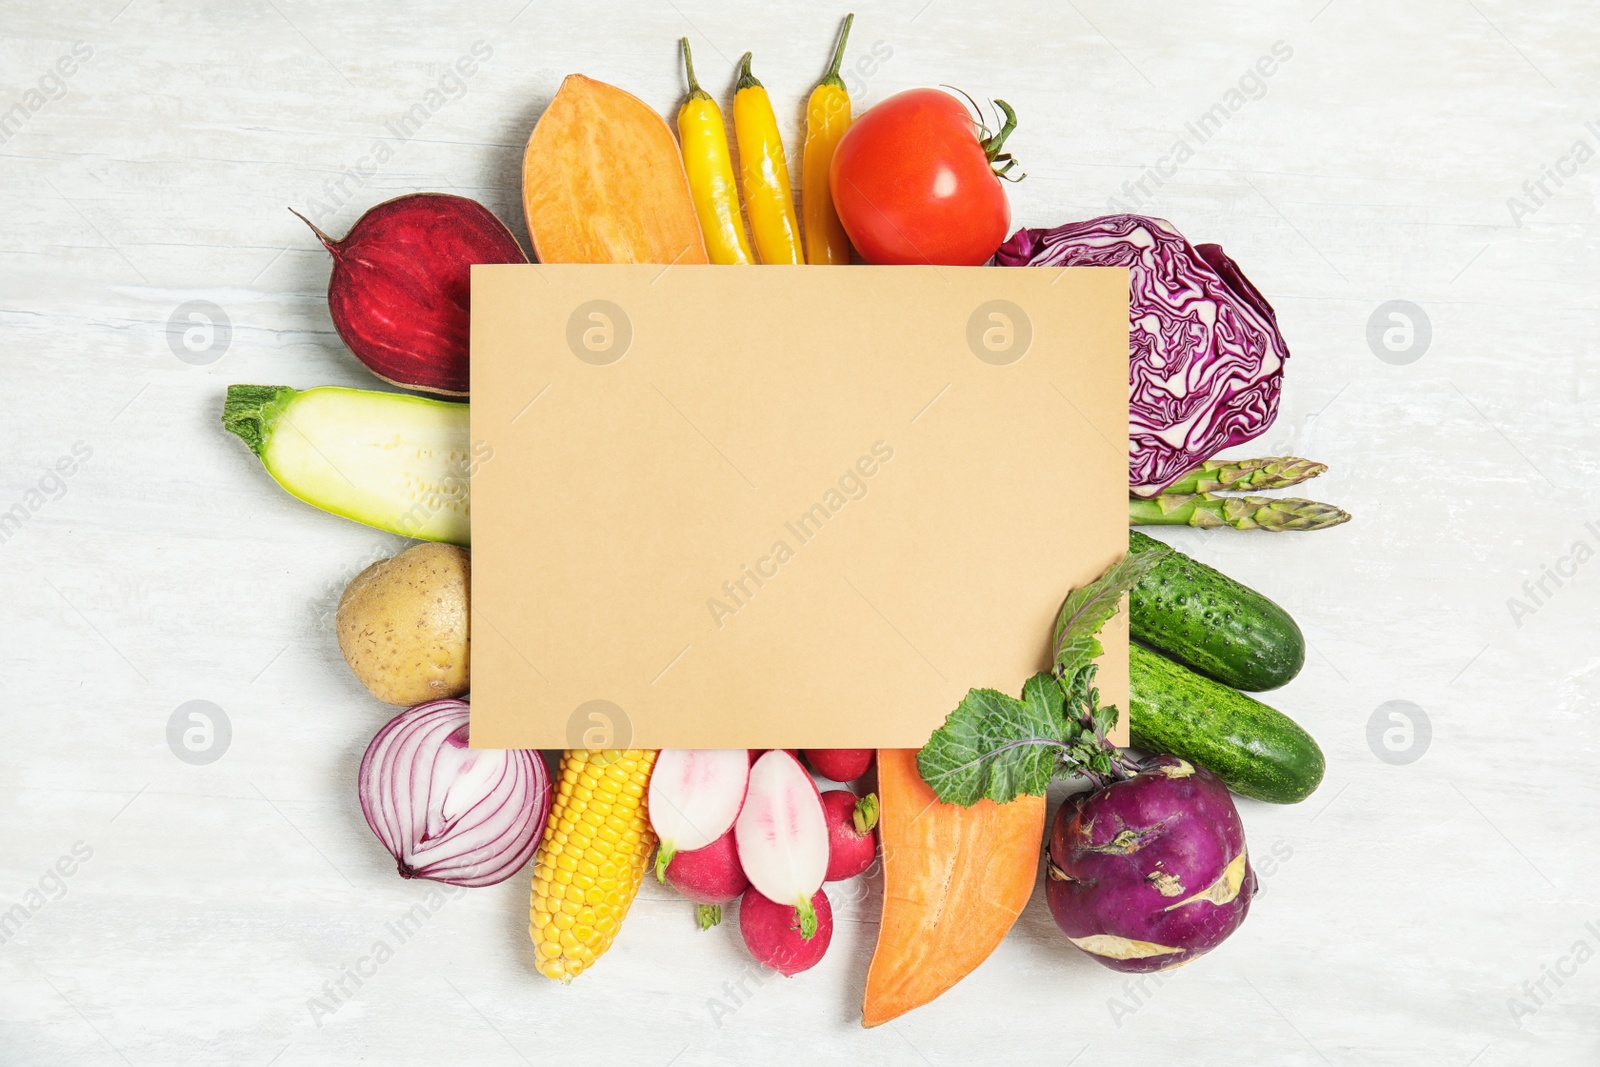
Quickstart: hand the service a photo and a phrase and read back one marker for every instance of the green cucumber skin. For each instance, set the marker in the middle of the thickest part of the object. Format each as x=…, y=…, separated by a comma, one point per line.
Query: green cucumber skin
x=1212, y=624
x=1258, y=751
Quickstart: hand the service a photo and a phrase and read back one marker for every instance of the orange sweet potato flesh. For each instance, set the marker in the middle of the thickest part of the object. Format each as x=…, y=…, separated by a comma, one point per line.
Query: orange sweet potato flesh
x=954, y=881
x=602, y=182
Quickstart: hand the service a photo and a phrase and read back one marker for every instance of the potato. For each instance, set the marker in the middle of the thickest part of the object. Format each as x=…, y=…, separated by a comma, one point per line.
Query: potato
x=403, y=625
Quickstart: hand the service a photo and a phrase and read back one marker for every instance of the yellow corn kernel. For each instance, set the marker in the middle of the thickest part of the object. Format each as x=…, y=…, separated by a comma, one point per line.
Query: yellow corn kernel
x=593, y=858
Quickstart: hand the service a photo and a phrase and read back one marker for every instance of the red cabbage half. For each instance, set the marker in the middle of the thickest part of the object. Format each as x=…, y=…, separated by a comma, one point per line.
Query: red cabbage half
x=1206, y=360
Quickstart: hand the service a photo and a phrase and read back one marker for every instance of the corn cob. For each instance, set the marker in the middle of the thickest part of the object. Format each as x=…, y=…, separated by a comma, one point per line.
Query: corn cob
x=593, y=857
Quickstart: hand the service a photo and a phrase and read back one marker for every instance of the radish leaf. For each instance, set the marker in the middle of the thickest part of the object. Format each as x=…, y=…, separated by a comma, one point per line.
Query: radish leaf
x=1087, y=609
x=997, y=747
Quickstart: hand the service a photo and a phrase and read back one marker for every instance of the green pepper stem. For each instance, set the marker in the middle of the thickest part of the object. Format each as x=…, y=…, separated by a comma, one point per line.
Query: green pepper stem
x=695, y=92
x=832, y=76
x=746, y=79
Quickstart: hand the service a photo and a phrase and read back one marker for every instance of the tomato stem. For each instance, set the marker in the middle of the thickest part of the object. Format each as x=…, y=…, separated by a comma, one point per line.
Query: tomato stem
x=992, y=145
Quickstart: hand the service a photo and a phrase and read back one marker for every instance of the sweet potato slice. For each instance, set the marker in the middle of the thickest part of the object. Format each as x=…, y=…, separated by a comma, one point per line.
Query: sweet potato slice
x=954, y=881
x=602, y=182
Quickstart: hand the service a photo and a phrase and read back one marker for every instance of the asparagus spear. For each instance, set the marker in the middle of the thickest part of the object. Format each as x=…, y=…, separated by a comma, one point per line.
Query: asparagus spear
x=1205, y=510
x=1237, y=475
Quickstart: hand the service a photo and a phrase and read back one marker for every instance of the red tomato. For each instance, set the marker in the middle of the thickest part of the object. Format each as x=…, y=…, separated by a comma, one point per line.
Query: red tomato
x=913, y=183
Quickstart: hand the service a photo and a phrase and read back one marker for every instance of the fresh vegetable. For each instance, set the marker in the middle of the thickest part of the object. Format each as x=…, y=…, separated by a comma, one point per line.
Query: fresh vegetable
x=709, y=165
x=402, y=625
x=827, y=118
x=783, y=835
x=466, y=816
x=1148, y=873
x=1237, y=475
x=776, y=936
x=393, y=461
x=1258, y=751
x=602, y=182
x=399, y=292
x=764, y=172
x=915, y=180
x=1206, y=360
x=1212, y=624
x=840, y=764
x=1207, y=511
x=995, y=747
x=593, y=858
x=954, y=881
x=709, y=876
x=852, y=844
x=695, y=794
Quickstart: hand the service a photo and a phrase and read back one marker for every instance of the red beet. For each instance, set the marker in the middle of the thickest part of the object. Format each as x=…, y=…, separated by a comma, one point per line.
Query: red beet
x=401, y=276
x=840, y=764
x=852, y=839
x=772, y=932
x=709, y=875
x=1149, y=873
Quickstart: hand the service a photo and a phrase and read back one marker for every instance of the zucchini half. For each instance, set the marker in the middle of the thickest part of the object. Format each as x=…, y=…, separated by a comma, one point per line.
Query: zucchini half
x=396, y=462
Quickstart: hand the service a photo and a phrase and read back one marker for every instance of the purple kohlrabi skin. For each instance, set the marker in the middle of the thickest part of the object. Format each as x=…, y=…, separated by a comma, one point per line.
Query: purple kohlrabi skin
x=1151, y=872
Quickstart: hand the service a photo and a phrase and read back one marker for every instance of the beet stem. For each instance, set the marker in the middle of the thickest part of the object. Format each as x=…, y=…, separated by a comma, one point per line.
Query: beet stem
x=327, y=242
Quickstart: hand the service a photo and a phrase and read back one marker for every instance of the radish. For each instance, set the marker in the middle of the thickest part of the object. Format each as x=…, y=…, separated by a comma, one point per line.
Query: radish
x=840, y=764
x=783, y=835
x=710, y=876
x=695, y=794
x=776, y=935
x=852, y=842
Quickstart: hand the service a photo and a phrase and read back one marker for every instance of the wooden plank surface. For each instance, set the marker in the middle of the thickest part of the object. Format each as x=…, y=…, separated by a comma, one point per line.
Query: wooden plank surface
x=1393, y=153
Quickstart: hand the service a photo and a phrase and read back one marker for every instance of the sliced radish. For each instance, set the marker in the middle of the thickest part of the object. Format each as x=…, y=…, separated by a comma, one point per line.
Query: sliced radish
x=782, y=835
x=695, y=794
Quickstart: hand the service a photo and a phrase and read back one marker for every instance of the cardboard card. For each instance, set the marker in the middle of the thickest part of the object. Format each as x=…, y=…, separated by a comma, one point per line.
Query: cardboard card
x=784, y=507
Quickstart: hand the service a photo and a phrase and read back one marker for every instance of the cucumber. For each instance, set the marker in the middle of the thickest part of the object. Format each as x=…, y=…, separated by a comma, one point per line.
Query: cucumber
x=390, y=460
x=1210, y=623
x=1259, y=751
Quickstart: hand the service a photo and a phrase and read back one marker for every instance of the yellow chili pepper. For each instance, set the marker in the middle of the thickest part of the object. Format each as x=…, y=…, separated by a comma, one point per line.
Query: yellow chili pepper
x=827, y=118
x=764, y=172
x=710, y=168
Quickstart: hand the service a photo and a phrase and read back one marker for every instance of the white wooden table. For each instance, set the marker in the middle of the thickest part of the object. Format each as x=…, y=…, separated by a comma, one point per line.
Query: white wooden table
x=1407, y=909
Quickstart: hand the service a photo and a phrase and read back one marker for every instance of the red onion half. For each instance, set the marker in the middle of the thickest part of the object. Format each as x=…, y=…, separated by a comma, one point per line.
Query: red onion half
x=450, y=813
